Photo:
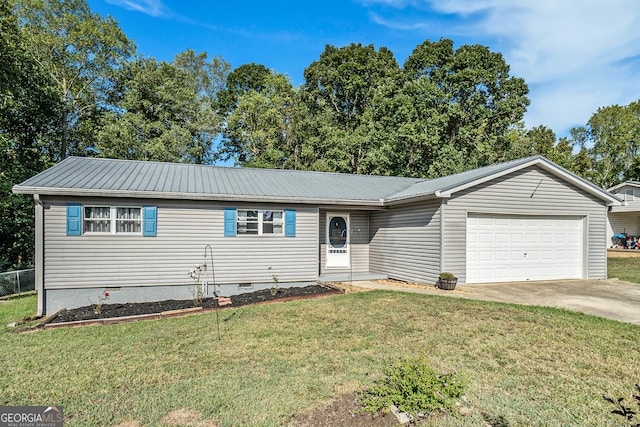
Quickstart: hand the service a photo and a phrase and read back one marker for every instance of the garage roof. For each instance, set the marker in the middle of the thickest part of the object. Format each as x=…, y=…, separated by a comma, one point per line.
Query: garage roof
x=83, y=176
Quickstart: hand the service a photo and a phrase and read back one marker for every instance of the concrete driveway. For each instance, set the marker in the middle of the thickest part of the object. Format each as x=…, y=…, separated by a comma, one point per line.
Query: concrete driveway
x=612, y=299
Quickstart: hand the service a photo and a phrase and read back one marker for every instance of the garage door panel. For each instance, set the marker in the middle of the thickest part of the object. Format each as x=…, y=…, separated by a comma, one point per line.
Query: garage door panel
x=516, y=238
x=515, y=248
x=546, y=238
x=501, y=238
x=547, y=255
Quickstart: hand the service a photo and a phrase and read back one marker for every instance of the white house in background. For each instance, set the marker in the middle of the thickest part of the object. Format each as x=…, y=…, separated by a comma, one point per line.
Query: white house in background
x=136, y=228
x=625, y=218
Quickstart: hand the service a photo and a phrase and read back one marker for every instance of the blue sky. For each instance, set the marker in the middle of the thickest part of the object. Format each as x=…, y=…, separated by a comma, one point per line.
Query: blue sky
x=575, y=55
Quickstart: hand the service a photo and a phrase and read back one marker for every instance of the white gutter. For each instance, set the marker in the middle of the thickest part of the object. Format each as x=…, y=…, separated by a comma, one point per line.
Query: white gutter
x=46, y=191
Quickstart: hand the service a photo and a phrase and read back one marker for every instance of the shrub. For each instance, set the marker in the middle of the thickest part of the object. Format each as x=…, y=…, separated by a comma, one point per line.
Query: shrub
x=414, y=387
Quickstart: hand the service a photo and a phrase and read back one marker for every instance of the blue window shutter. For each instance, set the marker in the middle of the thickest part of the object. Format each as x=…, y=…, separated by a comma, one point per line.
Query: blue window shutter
x=150, y=221
x=229, y=222
x=290, y=223
x=74, y=219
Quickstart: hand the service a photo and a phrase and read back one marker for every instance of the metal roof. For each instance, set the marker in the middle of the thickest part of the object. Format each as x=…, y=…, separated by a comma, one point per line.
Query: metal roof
x=635, y=184
x=448, y=185
x=103, y=177
x=83, y=176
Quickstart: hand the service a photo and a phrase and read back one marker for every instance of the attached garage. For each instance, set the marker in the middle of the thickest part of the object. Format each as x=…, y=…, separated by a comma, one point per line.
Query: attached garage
x=523, y=221
x=502, y=248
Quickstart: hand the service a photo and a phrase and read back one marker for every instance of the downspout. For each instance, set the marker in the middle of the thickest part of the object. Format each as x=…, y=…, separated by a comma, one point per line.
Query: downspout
x=39, y=253
x=443, y=202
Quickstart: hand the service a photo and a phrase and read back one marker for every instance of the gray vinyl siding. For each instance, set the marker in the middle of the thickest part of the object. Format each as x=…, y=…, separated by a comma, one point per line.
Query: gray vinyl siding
x=359, y=223
x=183, y=230
x=405, y=242
x=530, y=191
x=624, y=222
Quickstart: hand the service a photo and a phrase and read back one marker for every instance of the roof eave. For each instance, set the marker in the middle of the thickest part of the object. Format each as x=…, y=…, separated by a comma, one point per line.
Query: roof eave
x=624, y=184
x=48, y=191
x=394, y=201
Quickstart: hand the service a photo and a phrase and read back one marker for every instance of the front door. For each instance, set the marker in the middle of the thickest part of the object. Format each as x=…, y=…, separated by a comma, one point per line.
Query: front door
x=338, y=240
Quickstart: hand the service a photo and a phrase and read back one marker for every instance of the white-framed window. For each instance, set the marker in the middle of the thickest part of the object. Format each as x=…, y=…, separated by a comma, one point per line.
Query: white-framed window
x=112, y=220
x=257, y=222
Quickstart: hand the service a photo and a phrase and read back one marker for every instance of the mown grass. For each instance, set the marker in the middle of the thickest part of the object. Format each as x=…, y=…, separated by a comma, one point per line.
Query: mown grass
x=627, y=269
x=526, y=365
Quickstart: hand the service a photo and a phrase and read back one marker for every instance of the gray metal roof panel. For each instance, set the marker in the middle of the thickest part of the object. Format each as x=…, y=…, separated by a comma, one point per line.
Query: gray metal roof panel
x=433, y=186
x=78, y=173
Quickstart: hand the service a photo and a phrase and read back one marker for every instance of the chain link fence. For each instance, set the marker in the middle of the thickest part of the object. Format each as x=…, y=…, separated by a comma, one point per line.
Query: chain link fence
x=16, y=282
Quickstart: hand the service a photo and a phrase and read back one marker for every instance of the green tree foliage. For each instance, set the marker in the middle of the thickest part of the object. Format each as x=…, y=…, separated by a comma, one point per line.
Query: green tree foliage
x=612, y=136
x=259, y=129
x=165, y=111
x=447, y=111
x=338, y=92
x=462, y=103
x=245, y=78
x=29, y=109
x=80, y=50
x=542, y=141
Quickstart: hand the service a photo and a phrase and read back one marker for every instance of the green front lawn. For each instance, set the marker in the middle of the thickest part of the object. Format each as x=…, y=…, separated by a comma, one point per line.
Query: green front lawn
x=627, y=269
x=525, y=365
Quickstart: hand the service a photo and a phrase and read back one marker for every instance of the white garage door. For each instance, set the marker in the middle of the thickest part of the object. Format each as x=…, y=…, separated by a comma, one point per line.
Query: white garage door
x=502, y=248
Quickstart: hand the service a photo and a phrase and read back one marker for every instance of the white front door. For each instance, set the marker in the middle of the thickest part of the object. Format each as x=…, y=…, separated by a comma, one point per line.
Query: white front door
x=338, y=240
x=502, y=248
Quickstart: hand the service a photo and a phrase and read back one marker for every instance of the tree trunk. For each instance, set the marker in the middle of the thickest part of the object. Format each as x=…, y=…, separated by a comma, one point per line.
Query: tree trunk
x=65, y=134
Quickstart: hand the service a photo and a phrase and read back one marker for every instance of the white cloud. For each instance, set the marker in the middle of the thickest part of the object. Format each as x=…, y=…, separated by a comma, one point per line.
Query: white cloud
x=149, y=7
x=576, y=55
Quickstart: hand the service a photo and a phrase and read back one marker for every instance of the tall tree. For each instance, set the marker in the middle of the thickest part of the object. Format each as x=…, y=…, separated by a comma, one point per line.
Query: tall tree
x=245, y=78
x=29, y=108
x=338, y=91
x=206, y=79
x=609, y=144
x=541, y=140
x=465, y=102
x=80, y=50
x=259, y=129
x=165, y=111
x=615, y=133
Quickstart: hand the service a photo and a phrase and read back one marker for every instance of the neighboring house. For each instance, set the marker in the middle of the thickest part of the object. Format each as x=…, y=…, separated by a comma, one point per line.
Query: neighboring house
x=625, y=219
x=136, y=228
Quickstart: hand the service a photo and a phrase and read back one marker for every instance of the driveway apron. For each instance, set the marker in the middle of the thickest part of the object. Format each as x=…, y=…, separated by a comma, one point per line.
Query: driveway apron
x=611, y=299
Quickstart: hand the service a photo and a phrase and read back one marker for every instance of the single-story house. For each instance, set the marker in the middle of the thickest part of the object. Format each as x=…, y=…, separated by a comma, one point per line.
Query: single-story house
x=135, y=229
x=625, y=218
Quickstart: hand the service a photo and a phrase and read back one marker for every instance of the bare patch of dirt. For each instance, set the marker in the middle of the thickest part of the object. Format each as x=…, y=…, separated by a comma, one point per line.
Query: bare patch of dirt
x=131, y=309
x=348, y=287
x=623, y=253
x=343, y=411
x=187, y=418
x=130, y=423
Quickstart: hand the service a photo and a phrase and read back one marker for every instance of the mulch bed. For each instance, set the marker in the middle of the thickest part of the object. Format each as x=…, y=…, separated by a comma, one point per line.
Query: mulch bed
x=343, y=411
x=110, y=311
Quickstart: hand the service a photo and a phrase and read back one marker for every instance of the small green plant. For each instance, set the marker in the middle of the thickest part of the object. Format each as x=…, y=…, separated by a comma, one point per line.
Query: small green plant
x=276, y=282
x=447, y=276
x=415, y=387
x=624, y=410
x=196, y=292
x=102, y=298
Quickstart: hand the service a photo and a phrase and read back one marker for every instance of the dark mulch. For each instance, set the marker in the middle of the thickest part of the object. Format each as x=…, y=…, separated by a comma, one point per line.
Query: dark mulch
x=343, y=411
x=132, y=309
